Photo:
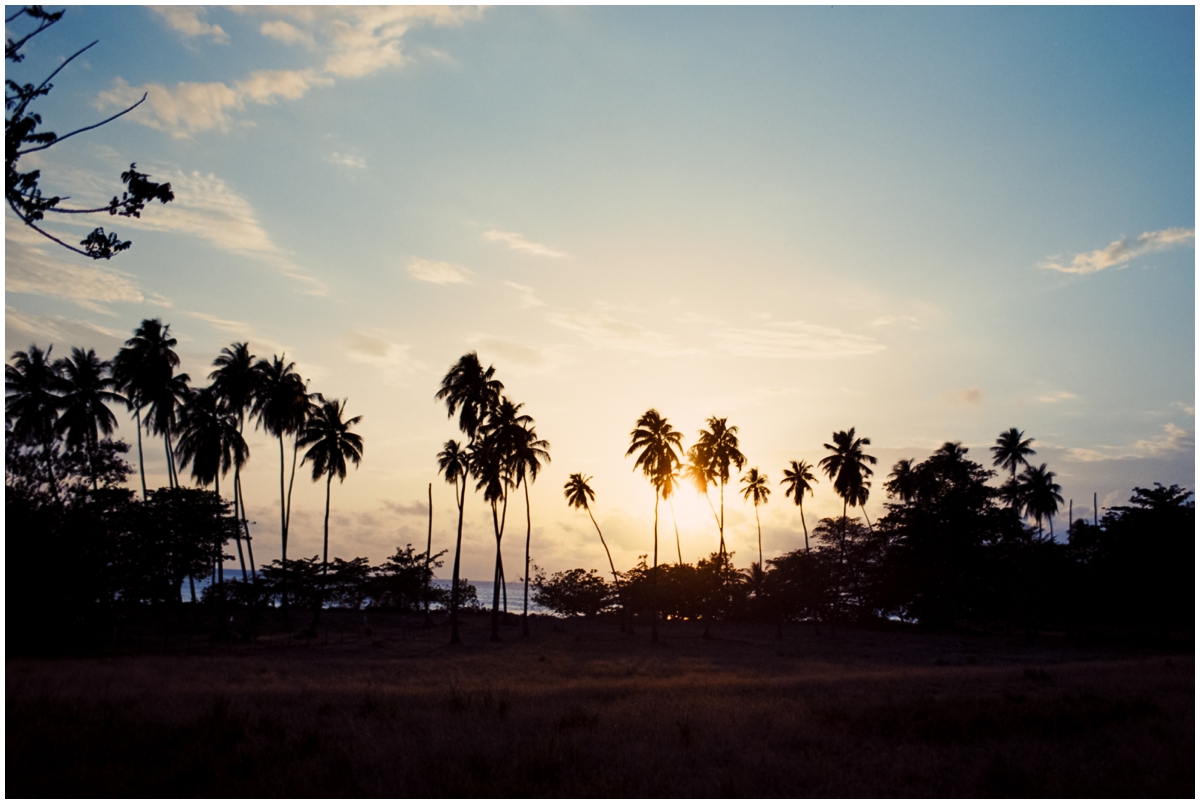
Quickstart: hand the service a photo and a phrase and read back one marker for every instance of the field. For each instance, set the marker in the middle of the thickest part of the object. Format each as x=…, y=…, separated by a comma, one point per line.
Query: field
x=579, y=709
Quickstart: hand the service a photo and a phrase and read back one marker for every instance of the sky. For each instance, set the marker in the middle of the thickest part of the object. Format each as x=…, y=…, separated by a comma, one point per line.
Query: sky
x=927, y=224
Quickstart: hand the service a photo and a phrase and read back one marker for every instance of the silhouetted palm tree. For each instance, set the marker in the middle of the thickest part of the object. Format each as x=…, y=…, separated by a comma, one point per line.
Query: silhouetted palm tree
x=797, y=481
x=579, y=495
x=454, y=465
x=1040, y=495
x=903, y=481
x=234, y=381
x=528, y=452
x=718, y=445
x=330, y=444
x=31, y=402
x=144, y=372
x=491, y=466
x=849, y=467
x=1011, y=452
x=655, y=441
x=471, y=391
x=755, y=488
x=282, y=405
x=86, y=384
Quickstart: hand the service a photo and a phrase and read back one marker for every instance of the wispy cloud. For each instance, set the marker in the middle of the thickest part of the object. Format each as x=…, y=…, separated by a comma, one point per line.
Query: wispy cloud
x=793, y=339
x=527, y=296
x=346, y=159
x=1173, y=440
x=439, y=273
x=348, y=42
x=1119, y=252
x=46, y=329
x=518, y=242
x=1056, y=396
x=965, y=397
x=887, y=320
x=393, y=361
x=525, y=359
x=604, y=331
x=186, y=20
x=28, y=269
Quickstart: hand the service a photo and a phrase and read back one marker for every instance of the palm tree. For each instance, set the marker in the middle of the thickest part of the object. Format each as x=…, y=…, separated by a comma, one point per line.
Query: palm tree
x=1011, y=452
x=849, y=467
x=528, y=453
x=1041, y=495
x=330, y=444
x=282, y=405
x=144, y=371
x=234, y=381
x=85, y=385
x=903, y=481
x=579, y=494
x=491, y=465
x=717, y=447
x=31, y=402
x=756, y=489
x=797, y=481
x=454, y=464
x=656, y=442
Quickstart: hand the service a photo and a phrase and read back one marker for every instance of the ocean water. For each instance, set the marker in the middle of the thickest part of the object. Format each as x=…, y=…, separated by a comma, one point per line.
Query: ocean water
x=483, y=590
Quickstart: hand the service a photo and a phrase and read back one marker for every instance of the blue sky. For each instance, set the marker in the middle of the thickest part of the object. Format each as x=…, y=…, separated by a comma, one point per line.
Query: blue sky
x=928, y=224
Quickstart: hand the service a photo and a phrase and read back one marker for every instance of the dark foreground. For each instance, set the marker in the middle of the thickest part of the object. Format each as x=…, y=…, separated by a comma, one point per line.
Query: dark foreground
x=579, y=709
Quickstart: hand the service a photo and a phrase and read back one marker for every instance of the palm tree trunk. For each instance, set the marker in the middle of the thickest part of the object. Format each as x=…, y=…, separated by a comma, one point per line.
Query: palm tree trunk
x=283, y=539
x=141, y=460
x=528, y=536
x=325, y=555
x=428, y=550
x=245, y=525
x=461, y=499
x=759, y=524
x=503, y=582
x=613, y=567
x=237, y=533
x=805, y=524
x=496, y=578
x=291, y=482
x=868, y=521
x=654, y=579
x=678, y=548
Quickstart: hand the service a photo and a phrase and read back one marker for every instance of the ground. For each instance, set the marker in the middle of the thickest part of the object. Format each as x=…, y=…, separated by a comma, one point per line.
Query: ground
x=386, y=708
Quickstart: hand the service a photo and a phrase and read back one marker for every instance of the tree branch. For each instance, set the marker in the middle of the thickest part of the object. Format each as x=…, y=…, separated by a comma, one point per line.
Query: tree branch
x=81, y=130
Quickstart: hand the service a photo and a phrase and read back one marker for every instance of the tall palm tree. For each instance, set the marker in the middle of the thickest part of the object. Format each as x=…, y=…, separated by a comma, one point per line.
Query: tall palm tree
x=656, y=443
x=718, y=445
x=31, y=402
x=330, y=444
x=755, y=488
x=580, y=495
x=1041, y=495
x=282, y=405
x=86, y=385
x=849, y=467
x=797, y=481
x=1011, y=452
x=234, y=381
x=144, y=370
x=491, y=466
x=454, y=465
x=527, y=455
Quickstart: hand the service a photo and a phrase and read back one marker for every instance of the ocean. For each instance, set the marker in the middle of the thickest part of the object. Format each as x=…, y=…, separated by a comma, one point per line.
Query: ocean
x=483, y=590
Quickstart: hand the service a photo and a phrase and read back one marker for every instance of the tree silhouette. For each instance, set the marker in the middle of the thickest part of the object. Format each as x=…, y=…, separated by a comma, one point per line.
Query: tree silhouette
x=234, y=382
x=797, y=481
x=491, y=466
x=755, y=488
x=454, y=466
x=1040, y=495
x=31, y=403
x=1010, y=452
x=330, y=444
x=21, y=137
x=849, y=467
x=527, y=455
x=655, y=441
x=86, y=390
x=282, y=405
x=579, y=495
x=903, y=480
x=144, y=371
x=717, y=450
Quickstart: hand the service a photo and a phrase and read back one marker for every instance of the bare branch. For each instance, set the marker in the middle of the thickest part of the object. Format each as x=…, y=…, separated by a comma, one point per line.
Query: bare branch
x=81, y=130
x=44, y=233
x=64, y=64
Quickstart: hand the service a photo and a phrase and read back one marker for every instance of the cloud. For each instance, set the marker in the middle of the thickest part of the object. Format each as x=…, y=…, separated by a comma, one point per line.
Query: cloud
x=411, y=509
x=530, y=359
x=793, y=339
x=527, y=296
x=1120, y=252
x=1173, y=441
x=393, y=361
x=186, y=20
x=518, y=243
x=57, y=329
x=439, y=273
x=887, y=320
x=605, y=331
x=347, y=160
x=965, y=397
x=349, y=42
x=1056, y=396
x=1186, y=408
x=28, y=269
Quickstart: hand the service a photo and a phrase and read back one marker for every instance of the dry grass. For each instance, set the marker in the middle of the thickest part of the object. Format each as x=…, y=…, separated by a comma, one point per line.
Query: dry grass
x=580, y=710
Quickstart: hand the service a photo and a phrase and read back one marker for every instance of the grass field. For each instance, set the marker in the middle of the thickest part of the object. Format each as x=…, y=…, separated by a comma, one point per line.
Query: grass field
x=579, y=709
